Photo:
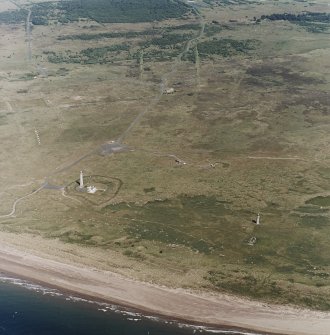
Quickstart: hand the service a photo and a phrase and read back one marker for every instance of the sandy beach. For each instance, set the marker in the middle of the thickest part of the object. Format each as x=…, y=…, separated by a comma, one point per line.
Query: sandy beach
x=206, y=308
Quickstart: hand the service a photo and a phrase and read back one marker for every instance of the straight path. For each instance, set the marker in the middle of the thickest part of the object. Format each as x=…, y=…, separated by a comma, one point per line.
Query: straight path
x=163, y=83
x=28, y=35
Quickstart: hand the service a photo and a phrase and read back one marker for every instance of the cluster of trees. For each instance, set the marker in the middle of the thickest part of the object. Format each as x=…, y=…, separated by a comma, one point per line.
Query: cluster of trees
x=13, y=17
x=165, y=47
x=43, y=12
x=159, y=49
x=100, y=55
x=103, y=51
x=169, y=40
x=226, y=47
x=129, y=34
x=111, y=11
x=103, y=11
x=213, y=29
x=160, y=55
x=187, y=26
x=228, y=2
x=312, y=22
x=307, y=16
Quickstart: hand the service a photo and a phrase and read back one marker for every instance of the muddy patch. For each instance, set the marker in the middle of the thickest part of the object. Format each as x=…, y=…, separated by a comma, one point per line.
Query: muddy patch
x=263, y=75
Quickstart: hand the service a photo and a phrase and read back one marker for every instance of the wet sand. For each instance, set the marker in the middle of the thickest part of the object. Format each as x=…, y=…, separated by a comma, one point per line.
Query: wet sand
x=201, y=307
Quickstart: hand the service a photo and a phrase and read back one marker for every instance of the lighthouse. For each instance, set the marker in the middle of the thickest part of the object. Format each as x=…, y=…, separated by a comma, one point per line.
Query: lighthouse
x=258, y=219
x=81, y=180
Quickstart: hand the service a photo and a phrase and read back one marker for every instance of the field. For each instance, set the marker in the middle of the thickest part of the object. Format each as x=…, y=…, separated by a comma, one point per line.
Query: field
x=189, y=119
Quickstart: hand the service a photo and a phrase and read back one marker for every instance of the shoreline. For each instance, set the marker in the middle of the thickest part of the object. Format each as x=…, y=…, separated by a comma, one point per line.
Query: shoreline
x=128, y=308
x=205, y=309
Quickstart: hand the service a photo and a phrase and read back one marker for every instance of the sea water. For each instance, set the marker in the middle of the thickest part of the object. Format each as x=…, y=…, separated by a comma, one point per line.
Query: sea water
x=30, y=309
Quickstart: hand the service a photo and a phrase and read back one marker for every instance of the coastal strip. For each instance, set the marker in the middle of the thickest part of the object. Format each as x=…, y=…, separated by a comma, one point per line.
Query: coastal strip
x=204, y=308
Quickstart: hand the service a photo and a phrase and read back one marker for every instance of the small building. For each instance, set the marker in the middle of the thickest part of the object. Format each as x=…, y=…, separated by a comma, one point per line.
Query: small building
x=91, y=189
x=169, y=90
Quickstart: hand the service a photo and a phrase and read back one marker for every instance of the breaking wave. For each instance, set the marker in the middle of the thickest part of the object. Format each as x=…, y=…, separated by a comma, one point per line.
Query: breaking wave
x=130, y=315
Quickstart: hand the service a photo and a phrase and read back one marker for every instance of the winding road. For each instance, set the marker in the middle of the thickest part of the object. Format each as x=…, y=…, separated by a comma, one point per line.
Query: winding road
x=13, y=211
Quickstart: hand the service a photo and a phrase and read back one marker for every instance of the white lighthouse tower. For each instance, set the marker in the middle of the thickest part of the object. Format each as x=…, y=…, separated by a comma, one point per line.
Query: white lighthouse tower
x=258, y=219
x=81, y=180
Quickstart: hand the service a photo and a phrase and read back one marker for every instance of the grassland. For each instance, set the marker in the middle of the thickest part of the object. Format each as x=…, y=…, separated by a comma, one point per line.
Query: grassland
x=246, y=131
